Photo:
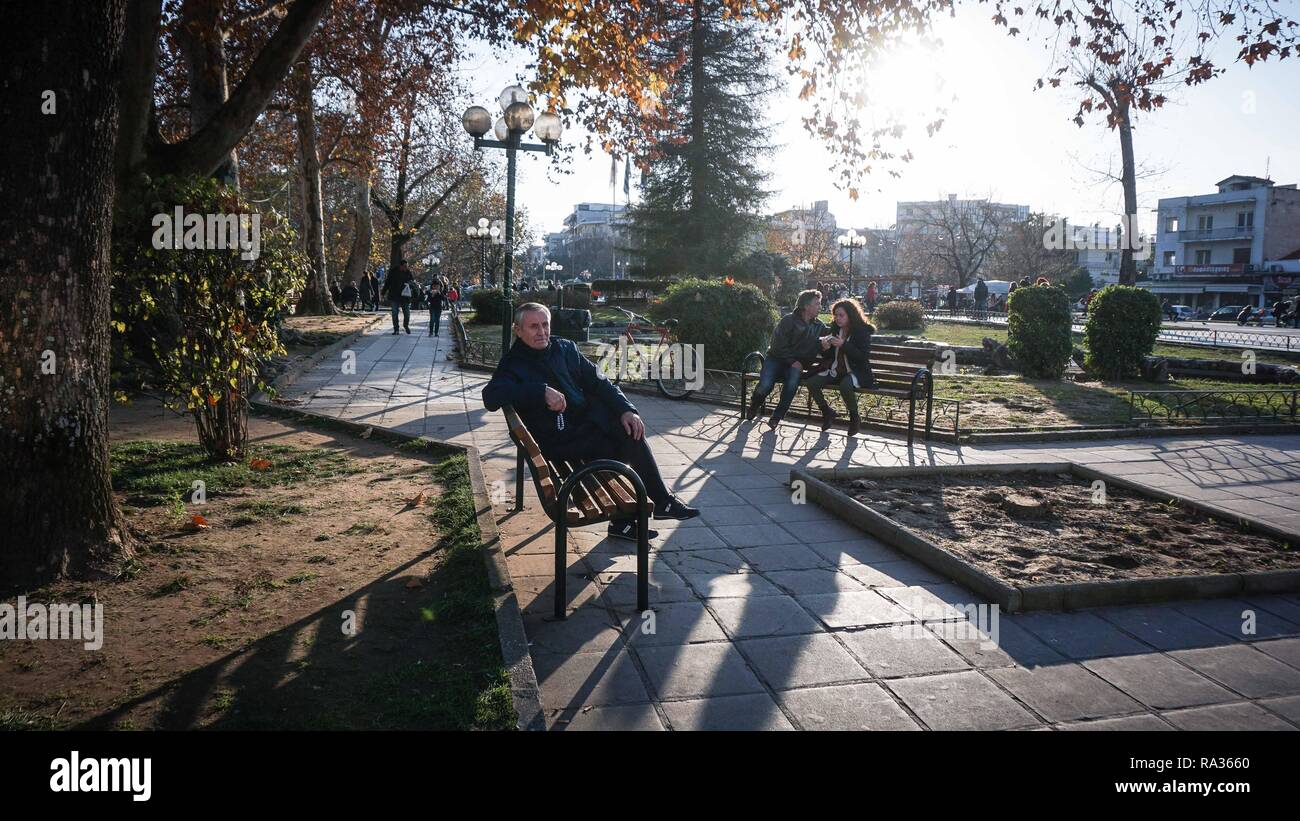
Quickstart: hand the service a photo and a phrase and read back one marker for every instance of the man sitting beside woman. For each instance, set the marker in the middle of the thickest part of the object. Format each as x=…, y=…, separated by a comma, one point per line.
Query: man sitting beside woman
x=843, y=361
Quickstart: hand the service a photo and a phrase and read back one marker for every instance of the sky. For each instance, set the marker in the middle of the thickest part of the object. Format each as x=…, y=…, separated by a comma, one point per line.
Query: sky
x=1000, y=138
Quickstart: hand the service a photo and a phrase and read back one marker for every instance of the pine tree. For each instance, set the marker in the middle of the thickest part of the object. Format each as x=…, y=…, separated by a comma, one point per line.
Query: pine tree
x=702, y=194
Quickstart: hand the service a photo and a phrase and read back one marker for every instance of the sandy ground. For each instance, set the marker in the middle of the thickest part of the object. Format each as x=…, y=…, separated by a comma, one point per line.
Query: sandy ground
x=1058, y=534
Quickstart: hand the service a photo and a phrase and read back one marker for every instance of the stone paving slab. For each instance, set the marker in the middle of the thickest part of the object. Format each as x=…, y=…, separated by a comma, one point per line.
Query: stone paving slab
x=773, y=615
x=961, y=701
x=847, y=707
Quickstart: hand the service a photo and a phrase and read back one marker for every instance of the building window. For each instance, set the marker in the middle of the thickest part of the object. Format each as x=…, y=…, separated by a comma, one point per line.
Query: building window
x=1245, y=219
x=1169, y=257
x=1203, y=257
x=1241, y=255
x=1171, y=225
x=1205, y=222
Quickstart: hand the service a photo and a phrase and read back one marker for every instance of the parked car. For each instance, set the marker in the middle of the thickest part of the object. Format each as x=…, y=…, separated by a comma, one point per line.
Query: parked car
x=1181, y=313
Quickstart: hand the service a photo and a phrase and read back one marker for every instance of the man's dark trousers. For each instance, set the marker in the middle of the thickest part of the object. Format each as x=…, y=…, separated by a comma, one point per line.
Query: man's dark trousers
x=588, y=442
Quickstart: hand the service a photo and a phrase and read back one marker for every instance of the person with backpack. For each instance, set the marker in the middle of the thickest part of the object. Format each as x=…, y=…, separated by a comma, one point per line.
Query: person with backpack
x=437, y=302
x=398, y=290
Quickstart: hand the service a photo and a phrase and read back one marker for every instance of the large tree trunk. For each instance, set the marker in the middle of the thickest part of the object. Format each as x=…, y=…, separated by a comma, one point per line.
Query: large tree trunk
x=1127, y=266
x=363, y=232
x=316, y=295
x=56, y=196
x=203, y=43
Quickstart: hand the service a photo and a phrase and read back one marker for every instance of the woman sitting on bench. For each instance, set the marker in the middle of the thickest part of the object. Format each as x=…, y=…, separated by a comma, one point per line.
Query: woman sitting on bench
x=844, y=363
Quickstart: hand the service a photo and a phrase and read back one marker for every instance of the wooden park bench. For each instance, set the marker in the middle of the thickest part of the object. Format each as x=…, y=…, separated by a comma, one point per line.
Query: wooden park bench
x=589, y=492
x=901, y=371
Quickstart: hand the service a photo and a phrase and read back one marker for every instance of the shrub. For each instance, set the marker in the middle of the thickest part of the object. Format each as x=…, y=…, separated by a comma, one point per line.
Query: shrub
x=1123, y=322
x=899, y=315
x=488, y=305
x=1038, y=330
x=728, y=320
x=224, y=310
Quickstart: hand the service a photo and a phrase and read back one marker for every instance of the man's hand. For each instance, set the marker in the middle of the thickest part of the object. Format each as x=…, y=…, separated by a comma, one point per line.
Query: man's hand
x=555, y=400
x=826, y=342
x=633, y=425
x=797, y=364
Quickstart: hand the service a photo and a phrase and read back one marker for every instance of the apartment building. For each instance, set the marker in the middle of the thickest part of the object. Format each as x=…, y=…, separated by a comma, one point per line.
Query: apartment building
x=1237, y=246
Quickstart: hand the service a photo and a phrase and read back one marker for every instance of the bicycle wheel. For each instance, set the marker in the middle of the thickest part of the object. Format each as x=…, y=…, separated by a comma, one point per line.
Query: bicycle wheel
x=680, y=371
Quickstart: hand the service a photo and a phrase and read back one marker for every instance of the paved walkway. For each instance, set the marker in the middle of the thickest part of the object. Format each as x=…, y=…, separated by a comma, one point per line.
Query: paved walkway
x=772, y=615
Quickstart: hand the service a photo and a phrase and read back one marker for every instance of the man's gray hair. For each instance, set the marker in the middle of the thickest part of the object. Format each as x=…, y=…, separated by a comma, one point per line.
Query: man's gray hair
x=529, y=306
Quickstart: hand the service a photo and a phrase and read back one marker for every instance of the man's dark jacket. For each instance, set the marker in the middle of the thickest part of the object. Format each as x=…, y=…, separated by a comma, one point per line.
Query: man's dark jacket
x=523, y=375
x=396, y=280
x=797, y=338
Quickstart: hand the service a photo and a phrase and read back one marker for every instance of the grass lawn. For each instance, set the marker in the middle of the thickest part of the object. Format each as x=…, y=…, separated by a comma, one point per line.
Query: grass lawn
x=1016, y=402
x=958, y=333
x=341, y=586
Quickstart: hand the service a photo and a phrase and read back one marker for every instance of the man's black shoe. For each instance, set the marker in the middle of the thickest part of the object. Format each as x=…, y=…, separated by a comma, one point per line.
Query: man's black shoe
x=674, y=508
x=627, y=530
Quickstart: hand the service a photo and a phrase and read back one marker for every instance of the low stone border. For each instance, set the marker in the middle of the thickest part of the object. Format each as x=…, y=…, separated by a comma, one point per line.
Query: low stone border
x=510, y=623
x=1014, y=598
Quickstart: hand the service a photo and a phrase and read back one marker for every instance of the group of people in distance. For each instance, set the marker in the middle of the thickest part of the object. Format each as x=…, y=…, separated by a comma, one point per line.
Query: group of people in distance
x=575, y=413
x=402, y=291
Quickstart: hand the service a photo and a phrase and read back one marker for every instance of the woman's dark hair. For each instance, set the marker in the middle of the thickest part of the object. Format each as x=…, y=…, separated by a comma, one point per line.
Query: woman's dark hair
x=857, y=317
x=805, y=297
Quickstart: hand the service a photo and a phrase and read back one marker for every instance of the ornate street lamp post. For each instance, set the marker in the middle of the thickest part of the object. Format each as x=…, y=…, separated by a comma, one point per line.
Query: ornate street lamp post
x=851, y=240
x=517, y=117
x=483, y=232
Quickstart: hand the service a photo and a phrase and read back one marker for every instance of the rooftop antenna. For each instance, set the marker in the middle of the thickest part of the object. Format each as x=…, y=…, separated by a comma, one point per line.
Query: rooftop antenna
x=1267, y=161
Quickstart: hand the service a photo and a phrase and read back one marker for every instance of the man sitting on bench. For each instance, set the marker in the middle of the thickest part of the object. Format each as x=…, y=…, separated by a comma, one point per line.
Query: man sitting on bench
x=574, y=412
x=796, y=342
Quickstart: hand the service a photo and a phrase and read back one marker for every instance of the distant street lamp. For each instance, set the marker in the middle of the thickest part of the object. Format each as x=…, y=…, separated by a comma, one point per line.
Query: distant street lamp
x=517, y=117
x=851, y=240
x=483, y=232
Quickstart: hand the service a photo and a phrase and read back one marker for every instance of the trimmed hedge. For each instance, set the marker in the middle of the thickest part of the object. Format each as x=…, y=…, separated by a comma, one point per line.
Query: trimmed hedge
x=1038, y=330
x=1123, y=322
x=728, y=320
x=488, y=305
x=899, y=315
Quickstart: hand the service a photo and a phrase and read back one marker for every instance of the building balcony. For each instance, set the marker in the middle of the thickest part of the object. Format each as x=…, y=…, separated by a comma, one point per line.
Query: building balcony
x=1217, y=234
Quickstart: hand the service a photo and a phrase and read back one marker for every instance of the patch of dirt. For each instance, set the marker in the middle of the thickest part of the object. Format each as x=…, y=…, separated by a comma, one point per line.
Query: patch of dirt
x=243, y=623
x=1041, y=529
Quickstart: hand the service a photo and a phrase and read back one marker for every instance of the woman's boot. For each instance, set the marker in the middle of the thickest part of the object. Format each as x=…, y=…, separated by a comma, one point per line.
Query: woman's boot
x=828, y=416
x=855, y=422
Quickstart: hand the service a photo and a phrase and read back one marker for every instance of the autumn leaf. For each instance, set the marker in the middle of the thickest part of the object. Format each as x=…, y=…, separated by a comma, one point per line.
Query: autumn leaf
x=259, y=464
x=417, y=500
x=197, y=522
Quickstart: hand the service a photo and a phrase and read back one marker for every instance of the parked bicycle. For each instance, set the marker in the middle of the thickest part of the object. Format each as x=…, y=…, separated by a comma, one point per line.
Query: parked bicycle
x=654, y=349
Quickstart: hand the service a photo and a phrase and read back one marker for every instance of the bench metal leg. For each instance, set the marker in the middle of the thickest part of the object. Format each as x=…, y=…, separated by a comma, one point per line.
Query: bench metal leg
x=519, y=480
x=911, y=418
x=929, y=403
x=561, y=592
x=562, y=531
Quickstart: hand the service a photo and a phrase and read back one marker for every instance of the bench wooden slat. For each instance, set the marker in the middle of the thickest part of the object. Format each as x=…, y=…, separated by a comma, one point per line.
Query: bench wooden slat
x=622, y=491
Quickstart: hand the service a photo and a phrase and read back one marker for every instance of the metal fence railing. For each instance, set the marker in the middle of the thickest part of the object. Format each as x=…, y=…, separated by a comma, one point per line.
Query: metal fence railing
x=1210, y=337
x=1246, y=405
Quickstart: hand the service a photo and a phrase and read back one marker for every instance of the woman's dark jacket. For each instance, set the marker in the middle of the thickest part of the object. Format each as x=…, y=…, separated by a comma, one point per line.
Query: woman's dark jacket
x=857, y=351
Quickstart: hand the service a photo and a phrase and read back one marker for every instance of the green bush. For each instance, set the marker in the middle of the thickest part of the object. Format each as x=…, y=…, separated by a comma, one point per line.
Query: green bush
x=899, y=315
x=223, y=310
x=728, y=320
x=1123, y=322
x=488, y=305
x=1038, y=330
